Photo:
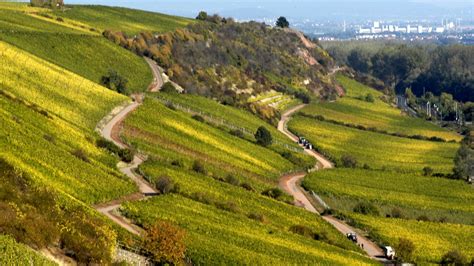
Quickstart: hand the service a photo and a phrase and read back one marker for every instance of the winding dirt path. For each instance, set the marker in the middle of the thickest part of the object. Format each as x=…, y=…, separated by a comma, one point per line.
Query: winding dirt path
x=111, y=131
x=291, y=184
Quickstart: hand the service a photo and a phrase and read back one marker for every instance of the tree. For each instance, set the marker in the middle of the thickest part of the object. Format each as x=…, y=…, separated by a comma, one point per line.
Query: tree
x=411, y=98
x=349, y=161
x=263, y=136
x=114, y=81
x=359, y=60
x=202, y=16
x=282, y=22
x=168, y=87
x=427, y=171
x=165, y=242
x=453, y=257
x=369, y=98
x=404, y=249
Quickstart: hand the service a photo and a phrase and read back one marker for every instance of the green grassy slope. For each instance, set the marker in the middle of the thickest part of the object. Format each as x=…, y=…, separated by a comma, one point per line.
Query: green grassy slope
x=431, y=240
x=351, y=109
x=220, y=237
x=130, y=21
x=82, y=52
x=173, y=135
x=48, y=114
x=13, y=253
x=414, y=195
x=397, y=187
x=374, y=149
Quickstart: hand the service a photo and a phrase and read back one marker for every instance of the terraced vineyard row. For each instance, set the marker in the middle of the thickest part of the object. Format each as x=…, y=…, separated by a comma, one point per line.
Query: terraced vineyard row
x=11, y=251
x=354, y=109
x=49, y=131
x=221, y=237
x=53, y=41
x=376, y=150
x=412, y=195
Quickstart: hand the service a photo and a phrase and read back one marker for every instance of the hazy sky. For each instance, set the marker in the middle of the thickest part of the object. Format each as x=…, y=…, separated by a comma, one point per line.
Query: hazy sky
x=311, y=9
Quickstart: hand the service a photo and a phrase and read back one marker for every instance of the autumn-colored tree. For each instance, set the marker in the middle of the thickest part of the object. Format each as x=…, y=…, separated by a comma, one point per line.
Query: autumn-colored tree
x=165, y=242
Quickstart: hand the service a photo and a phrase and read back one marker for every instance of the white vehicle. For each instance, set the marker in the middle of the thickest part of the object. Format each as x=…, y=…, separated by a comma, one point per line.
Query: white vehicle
x=389, y=252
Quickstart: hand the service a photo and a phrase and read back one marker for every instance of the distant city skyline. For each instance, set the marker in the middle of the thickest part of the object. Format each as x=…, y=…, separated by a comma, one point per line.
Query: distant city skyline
x=323, y=10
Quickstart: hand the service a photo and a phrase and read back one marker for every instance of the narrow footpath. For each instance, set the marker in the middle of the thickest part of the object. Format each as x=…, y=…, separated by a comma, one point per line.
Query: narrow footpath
x=111, y=131
x=291, y=184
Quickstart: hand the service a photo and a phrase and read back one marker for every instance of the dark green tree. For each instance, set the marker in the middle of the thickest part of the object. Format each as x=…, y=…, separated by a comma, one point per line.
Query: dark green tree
x=263, y=136
x=202, y=16
x=114, y=81
x=282, y=22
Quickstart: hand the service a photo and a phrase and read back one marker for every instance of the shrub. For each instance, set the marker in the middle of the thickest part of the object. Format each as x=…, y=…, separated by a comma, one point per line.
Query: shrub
x=198, y=167
x=423, y=218
x=396, y=213
x=126, y=155
x=427, y=171
x=114, y=81
x=302, y=230
x=237, y=132
x=81, y=154
x=60, y=19
x=257, y=217
x=165, y=185
x=177, y=162
x=227, y=206
x=199, y=118
x=247, y=187
x=273, y=193
x=263, y=137
x=49, y=138
x=171, y=106
x=404, y=249
x=168, y=87
x=232, y=180
x=349, y=161
x=165, y=242
x=366, y=208
x=453, y=257
x=369, y=98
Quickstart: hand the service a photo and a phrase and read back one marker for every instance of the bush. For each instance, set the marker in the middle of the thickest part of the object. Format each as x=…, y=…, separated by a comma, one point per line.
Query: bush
x=349, y=161
x=177, y=162
x=404, y=249
x=263, y=137
x=60, y=19
x=227, y=206
x=273, y=193
x=165, y=185
x=165, y=242
x=302, y=230
x=199, y=118
x=453, y=257
x=126, y=155
x=238, y=133
x=423, y=218
x=257, y=217
x=168, y=87
x=81, y=154
x=202, y=16
x=247, y=187
x=171, y=106
x=114, y=81
x=198, y=167
x=369, y=98
x=232, y=180
x=282, y=22
x=396, y=213
x=366, y=208
x=427, y=171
